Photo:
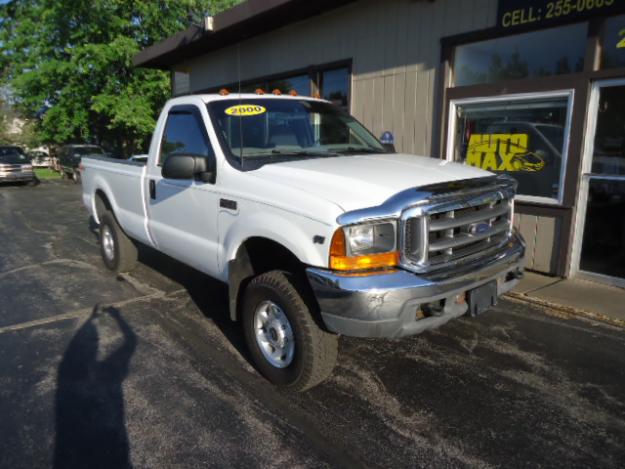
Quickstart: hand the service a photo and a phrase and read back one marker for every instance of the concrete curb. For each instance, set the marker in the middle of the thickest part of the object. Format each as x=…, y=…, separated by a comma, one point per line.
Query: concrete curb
x=565, y=310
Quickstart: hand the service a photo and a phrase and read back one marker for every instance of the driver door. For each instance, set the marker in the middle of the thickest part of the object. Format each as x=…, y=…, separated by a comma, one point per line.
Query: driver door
x=182, y=214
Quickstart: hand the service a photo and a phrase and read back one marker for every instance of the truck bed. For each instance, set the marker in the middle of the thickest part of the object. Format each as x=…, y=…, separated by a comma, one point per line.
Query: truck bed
x=124, y=180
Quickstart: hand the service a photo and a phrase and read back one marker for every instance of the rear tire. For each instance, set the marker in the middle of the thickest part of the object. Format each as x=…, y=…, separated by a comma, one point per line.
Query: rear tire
x=118, y=251
x=273, y=314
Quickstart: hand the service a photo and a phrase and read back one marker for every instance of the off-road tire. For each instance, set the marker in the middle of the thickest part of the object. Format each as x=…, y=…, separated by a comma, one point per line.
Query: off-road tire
x=125, y=251
x=315, y=349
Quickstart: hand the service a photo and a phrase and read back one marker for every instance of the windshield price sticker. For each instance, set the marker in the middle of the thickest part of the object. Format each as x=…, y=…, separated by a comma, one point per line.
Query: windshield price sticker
x=513, y=13
x=245, y=110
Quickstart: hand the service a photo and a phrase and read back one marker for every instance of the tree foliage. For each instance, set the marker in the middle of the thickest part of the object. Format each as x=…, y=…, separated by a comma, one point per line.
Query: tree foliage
x=70, y=64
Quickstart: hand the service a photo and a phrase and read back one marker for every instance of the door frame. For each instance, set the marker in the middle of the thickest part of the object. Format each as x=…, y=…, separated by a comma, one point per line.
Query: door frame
x=585, y=177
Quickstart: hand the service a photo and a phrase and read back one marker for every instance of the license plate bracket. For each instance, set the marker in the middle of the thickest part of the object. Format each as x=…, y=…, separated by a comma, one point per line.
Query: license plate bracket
x=482, y=298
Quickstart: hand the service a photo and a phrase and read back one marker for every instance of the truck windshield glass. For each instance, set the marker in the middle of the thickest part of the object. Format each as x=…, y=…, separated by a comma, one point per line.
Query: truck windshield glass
x=273, y=130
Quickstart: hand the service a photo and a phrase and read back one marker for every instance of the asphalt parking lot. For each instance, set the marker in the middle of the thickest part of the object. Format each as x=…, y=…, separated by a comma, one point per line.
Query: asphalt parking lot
x=146, y=370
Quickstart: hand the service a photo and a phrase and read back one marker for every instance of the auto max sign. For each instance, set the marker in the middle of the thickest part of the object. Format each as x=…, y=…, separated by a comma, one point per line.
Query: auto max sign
x=516, y=13
x=503, y=152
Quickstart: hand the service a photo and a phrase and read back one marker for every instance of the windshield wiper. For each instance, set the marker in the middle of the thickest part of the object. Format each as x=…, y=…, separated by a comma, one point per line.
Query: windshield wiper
x=358, y=150
x=304, y=153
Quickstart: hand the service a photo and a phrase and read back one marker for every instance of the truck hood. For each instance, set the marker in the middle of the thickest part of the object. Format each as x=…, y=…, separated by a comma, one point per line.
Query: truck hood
x=361, y=181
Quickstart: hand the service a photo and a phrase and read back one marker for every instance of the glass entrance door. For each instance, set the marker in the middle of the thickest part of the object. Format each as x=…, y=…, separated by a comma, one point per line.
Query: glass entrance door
x=603, y=243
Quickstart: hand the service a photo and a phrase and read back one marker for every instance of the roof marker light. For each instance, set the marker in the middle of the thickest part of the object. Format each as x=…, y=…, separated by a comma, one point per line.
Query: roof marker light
x=224, y=92
x=293, y=93
x=277, y=92
x=259, y=91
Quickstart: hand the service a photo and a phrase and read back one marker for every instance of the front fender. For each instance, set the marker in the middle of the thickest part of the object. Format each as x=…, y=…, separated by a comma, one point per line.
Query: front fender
x=300, y=235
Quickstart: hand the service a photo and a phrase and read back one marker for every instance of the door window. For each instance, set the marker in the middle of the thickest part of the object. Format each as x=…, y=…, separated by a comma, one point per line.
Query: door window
x=185, y=135
x=603, y=245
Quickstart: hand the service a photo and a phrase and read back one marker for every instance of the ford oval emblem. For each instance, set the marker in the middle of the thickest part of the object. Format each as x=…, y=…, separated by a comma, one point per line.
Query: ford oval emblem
x=479, y=228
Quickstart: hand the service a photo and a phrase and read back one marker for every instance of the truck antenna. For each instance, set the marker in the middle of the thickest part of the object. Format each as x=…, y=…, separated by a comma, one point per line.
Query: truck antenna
x=240, y=117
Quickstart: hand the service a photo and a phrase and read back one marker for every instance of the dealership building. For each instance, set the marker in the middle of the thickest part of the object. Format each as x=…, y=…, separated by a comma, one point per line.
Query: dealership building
x=531, y=88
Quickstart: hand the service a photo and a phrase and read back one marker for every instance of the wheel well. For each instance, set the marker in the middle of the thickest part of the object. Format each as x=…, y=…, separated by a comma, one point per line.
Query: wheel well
x=102, y=204
x=256, y=256
x=266, y=255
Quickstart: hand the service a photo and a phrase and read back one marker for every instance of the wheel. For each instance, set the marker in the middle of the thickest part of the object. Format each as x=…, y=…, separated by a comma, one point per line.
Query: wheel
x=118, y=251
x=285, y=342
x=76, y=176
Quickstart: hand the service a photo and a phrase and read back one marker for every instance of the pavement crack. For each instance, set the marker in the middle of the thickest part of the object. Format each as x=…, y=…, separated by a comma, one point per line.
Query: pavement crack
x=69, y=262
x=75, y=314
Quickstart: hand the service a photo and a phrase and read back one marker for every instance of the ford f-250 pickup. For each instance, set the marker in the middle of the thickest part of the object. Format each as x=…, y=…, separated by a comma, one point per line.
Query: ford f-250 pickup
x=316, y=228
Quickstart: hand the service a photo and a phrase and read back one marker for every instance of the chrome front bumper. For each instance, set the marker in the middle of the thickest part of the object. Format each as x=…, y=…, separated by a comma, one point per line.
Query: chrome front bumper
x=386, y=305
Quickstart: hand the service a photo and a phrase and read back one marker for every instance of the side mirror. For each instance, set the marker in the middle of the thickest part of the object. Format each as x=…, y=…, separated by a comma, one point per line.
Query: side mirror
x=189, y=167
x=388, y=142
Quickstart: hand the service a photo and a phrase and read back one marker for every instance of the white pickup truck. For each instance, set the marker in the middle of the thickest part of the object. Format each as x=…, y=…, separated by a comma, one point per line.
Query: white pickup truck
x=316, y=227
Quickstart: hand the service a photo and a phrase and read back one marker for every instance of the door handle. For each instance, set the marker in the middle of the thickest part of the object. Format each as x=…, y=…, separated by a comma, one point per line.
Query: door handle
x=152, y=189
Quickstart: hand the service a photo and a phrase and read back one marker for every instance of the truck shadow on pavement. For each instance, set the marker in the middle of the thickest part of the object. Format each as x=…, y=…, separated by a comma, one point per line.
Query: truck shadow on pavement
x=210, y=296
x=90, y=417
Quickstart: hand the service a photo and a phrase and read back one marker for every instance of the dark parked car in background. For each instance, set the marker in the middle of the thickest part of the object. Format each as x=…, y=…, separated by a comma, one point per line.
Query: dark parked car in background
x=15, y=166
x=69, y=158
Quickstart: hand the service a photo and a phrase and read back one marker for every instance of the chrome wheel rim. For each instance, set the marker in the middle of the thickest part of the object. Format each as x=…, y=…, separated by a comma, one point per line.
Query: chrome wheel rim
x=274, y=334
x=108, y=243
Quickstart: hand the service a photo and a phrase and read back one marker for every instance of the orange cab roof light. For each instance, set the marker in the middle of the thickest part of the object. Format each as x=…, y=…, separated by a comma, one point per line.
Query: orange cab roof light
x=293, y=93
x=224, y=92
x=277, y=92
x=259, y=91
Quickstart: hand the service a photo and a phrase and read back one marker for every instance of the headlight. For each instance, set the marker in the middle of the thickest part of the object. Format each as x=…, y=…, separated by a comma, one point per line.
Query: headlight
x=366, y=246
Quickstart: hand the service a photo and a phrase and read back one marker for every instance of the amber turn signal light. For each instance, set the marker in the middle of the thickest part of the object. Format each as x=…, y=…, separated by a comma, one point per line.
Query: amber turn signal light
x=340, y=261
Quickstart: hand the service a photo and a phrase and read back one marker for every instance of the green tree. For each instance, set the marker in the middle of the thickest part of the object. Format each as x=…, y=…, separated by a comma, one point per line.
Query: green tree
x=70, y=63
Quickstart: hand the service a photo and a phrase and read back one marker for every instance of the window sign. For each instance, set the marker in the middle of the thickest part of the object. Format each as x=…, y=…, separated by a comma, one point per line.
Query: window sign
x=523, y=137
x=613, y=43
x=548, y=52
x=515, y=13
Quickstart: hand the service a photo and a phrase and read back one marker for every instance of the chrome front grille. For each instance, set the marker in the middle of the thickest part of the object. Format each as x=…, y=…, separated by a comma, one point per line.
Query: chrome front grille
x=443, y=233
x=10, y=168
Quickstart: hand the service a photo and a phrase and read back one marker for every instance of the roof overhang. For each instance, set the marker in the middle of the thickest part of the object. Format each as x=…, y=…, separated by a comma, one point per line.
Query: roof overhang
x=243, y=21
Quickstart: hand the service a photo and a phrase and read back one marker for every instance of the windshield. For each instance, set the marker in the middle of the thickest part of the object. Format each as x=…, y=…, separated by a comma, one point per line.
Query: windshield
x=11, y=151
x=82, y=151
x=13, y=158
x=273, y=130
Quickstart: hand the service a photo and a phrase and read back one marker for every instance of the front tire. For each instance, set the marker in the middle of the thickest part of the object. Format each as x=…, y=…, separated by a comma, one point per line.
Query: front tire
x=286, y=344
x=118, y=251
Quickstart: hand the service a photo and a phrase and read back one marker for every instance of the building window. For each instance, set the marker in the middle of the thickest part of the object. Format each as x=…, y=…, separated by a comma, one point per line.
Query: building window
x=525, y=137
x=536, y=54
x=300, y=84
x=613, y=43
x=334, y=86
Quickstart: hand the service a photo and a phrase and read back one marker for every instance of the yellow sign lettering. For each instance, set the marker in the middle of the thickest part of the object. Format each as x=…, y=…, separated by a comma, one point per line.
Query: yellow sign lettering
x=502, y=152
